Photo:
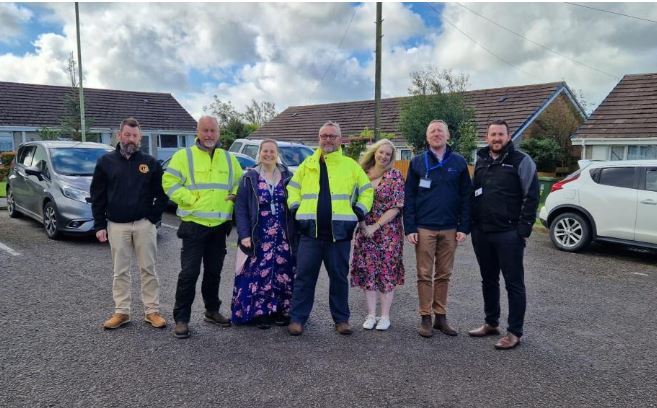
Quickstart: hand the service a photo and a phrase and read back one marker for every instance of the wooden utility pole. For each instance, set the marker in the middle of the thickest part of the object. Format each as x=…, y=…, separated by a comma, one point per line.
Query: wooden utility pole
x=82, y=121
x=377, y=78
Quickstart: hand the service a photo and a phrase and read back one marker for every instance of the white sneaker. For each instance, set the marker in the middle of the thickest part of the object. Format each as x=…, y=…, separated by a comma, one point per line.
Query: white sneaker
x=383, y=324
x=370, y=322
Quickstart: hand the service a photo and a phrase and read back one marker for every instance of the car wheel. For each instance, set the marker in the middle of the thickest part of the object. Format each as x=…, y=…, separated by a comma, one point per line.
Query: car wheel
x=50, y=220
x=570, y=232
x=11, y=205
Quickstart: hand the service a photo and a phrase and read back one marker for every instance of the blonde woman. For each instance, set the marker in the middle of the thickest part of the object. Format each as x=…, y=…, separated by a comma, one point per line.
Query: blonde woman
x=376, y=265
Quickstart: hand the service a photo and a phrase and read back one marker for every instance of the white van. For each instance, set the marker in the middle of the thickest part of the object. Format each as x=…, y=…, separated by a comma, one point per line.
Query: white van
x=290, y=154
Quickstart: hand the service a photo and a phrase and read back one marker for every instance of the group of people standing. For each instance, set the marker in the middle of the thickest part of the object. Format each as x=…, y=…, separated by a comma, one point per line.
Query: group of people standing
x=289, y=224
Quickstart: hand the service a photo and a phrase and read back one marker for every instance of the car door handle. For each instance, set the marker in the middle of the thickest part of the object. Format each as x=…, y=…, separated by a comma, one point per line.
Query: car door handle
x=649, y=201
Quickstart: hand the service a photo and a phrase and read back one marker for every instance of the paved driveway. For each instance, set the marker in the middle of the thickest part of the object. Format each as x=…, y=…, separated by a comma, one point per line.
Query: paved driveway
x=590, y=338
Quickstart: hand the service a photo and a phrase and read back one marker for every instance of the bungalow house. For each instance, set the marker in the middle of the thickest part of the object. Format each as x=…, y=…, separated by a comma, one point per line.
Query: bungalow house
x=520, y=106
x=624, y=126
x=25, y=109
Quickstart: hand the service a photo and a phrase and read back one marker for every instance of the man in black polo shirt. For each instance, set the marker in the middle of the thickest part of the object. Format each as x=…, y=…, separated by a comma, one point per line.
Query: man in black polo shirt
x=127, y=200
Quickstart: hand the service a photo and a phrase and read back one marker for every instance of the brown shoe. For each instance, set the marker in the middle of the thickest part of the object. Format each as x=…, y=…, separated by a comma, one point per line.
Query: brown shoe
x=155, y=320
x=217, y=318
x=181, y=331
x=441, y=324
x=117, y=320
x=485, y=330
x=295, y=329
x=343, y=328
x=508, y=342
x=425, y=329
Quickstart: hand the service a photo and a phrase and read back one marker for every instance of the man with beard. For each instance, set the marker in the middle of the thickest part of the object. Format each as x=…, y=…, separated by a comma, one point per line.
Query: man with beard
x=127, y=201
x=504, y=200
x=203, y=180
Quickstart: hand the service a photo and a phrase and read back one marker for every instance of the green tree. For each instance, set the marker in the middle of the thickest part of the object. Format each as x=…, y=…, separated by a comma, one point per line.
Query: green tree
x=546, y=152
x=71, y=123
x=259, y=113
x=438, y=95
x=47, y=133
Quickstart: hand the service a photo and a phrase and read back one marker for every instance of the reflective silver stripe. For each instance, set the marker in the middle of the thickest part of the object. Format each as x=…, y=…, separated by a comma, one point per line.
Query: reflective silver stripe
x=201, y=214
x=362, y=189
x=294, y=184
x=308, y=196
x=294, y=205
x=362, y=207
x=173, y=189
x=175, y=173
x=190, y=164
x=306, y=216
x=209, y=186
x=229, y=163
x=338, y=217
x=340, y=197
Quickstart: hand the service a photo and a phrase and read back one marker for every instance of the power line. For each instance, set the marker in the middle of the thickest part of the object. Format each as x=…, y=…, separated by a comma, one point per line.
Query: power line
x=475, y=41
x=613, y=12
x=540, y=45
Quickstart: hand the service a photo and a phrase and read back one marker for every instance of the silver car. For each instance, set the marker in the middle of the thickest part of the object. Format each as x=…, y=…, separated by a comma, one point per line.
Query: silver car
x=49, y=181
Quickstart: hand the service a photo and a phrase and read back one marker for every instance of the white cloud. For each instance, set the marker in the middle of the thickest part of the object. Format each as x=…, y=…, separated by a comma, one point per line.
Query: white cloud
x=12, y=17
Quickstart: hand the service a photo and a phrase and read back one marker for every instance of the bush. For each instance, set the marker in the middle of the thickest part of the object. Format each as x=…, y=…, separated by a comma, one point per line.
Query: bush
x=547, y=153
x=5, y=160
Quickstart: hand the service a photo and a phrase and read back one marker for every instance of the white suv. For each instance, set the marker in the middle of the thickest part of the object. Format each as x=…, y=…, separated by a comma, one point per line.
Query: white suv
x=612, y=201
x=290, y=154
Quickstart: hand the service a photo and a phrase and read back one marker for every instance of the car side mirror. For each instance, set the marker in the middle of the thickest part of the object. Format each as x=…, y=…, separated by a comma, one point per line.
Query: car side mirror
x=34, y=171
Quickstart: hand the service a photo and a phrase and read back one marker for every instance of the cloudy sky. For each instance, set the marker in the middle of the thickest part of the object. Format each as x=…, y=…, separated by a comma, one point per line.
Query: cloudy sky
x=298, y=54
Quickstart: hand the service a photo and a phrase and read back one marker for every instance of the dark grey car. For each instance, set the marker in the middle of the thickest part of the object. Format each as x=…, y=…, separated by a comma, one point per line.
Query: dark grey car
x=49, y=181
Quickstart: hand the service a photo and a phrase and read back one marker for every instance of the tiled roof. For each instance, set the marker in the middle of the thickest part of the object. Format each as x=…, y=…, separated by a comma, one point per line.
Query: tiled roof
x=629, y=111
x=43, y=105
x=301, y=123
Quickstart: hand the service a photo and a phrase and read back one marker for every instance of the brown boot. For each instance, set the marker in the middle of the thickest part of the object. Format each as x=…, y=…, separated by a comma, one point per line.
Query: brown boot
x=343, y=328
x=117, y=320
x=485, y=330
x=441, y=324
x=295, y=329
x=156, y=320
x=425, y=329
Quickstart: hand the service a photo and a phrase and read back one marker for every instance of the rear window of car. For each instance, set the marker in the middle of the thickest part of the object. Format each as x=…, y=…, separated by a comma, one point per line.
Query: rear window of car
x=615, y=176
x=294, y=155
x=75, y=161
x=651, y=179
x=251, y=150
x=235, y=147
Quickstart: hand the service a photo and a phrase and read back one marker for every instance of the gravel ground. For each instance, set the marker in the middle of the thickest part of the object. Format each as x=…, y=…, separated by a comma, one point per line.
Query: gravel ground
x=588, y=338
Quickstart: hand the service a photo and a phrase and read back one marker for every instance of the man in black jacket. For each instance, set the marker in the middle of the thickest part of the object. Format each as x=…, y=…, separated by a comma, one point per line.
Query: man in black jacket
x=504, y=201
x=127, y=201
x=436, y=217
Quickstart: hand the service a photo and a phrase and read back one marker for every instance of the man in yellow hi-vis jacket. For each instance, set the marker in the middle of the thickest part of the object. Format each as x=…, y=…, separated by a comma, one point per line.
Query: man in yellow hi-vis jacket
x=329, y=194
x=202, y=180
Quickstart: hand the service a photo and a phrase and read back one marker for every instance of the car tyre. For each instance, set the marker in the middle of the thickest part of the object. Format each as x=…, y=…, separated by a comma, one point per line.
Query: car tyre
x=570, y=232
x=50, y=220
x=11, y=204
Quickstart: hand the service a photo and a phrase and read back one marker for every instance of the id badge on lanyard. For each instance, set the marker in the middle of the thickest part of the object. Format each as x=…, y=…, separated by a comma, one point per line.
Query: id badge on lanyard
x=272, y=203
x=425, y=182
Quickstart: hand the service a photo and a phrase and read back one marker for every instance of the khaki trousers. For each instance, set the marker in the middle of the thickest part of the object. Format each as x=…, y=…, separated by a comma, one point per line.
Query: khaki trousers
x=140, y=236
x=434, y=248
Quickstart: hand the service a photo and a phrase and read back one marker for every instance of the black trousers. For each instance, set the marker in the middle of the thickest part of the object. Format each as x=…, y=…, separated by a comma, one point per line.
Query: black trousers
x=199, y=244
x=502, y=251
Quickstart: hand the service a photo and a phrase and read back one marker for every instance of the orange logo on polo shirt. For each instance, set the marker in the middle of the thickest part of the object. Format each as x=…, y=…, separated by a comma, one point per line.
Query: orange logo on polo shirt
x=143, y=168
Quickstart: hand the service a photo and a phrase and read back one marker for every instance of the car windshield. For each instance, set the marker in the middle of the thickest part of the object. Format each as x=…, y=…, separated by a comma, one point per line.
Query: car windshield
x=294, y=155
x=71, y=161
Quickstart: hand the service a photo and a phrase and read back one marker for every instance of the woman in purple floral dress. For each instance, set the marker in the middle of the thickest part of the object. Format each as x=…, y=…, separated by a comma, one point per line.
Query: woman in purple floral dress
x=263, y=286
x=377, y=261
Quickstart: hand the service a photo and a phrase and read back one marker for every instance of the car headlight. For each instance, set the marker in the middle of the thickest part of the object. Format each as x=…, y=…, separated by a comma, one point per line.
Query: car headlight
x=75, y=193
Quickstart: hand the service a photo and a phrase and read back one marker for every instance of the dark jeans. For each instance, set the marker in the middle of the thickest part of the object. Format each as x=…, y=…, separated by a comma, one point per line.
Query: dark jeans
x=206, y=244
x=310, y=255
x=502, y=251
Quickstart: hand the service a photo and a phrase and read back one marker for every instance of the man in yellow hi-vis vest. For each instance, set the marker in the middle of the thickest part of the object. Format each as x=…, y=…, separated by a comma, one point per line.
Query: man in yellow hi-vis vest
x=329, y=194
x=202, y=180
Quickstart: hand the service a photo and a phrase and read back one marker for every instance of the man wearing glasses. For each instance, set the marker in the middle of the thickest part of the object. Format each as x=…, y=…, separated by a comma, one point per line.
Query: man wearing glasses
x=328, y=194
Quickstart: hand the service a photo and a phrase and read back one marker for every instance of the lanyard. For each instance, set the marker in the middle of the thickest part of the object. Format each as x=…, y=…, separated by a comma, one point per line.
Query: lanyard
x=440, y=163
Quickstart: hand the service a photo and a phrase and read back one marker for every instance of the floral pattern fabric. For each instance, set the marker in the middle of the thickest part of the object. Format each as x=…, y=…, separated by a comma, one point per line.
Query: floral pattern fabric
x=377, y=262
x=263, y=287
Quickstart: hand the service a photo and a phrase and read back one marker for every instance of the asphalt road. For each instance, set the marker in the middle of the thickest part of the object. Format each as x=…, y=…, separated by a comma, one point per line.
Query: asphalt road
x=589, y=338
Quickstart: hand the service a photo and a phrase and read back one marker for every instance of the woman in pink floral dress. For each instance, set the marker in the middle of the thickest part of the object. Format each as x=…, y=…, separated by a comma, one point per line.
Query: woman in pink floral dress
x=377, y=262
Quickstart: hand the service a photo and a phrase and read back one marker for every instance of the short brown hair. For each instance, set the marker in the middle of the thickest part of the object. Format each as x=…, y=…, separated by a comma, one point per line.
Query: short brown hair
x=498, y=122
x=132, y=122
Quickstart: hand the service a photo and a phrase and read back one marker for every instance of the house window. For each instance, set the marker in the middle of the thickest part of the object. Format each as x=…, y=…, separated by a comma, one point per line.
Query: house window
x=617, y=153
x=405, y=154
x=168, y=141
x=6, y=142
x=641, y=152
x=145, y=146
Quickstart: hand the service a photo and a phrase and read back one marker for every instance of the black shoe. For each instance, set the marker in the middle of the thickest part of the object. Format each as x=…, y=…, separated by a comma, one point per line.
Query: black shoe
x=181, y=331
x=217, y=318
x=280, y=319
x=263, y=322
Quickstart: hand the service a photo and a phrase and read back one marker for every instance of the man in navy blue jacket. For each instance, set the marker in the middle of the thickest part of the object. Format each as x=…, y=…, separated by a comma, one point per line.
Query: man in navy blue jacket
x=436, y=217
